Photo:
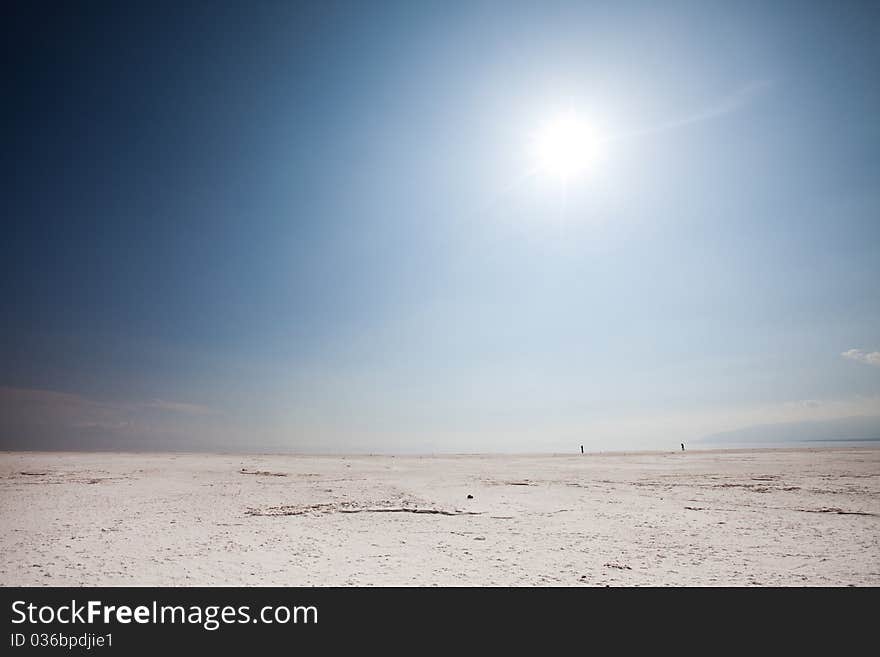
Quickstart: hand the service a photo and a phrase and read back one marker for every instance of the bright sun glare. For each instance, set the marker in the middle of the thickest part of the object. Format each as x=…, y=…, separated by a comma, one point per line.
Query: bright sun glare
x=565, y=147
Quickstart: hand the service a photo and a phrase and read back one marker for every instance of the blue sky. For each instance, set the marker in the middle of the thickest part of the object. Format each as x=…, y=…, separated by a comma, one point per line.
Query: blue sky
x=319, y=227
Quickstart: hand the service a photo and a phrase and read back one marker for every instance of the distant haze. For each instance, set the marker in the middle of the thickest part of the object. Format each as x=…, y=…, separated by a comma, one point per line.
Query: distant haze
x=850, y=429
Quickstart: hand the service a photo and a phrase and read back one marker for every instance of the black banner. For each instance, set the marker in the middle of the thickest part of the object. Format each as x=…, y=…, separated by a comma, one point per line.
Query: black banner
x=137, y=620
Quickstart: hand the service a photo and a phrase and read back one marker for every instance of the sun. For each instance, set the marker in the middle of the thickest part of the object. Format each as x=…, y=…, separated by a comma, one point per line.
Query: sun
x=565, y=147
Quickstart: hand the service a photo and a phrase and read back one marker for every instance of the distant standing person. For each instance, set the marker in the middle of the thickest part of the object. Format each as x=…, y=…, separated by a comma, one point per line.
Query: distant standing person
x=582, y=449
x=682, y=447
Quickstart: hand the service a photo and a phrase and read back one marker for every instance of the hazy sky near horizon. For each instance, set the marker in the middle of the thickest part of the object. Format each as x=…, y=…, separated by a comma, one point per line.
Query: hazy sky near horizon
x=281, y=226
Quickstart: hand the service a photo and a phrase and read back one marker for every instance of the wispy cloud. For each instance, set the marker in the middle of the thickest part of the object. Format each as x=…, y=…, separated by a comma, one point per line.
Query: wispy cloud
x=54, y=399
x=179, y=407
x=726, y=105
x=33, y=418
x=862, y=356
x=50, y=407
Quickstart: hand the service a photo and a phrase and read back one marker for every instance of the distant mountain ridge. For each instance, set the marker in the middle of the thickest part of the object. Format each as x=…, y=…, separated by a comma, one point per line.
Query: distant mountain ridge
x=856, y=428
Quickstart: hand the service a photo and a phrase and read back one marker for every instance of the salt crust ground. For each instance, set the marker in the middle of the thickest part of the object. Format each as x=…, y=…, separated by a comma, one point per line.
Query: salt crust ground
x=754, y=517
